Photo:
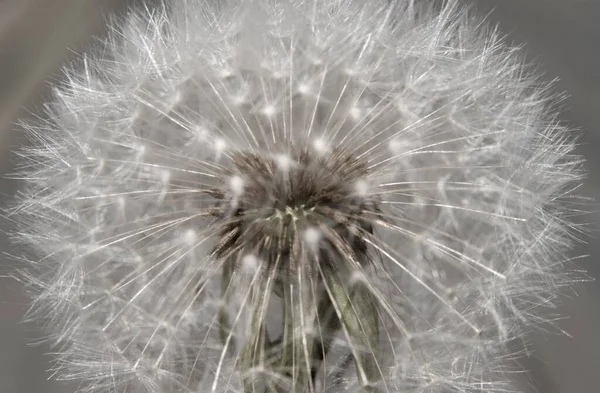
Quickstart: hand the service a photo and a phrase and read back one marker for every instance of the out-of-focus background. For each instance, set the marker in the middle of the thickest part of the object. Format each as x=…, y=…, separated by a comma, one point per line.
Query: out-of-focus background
x=561, y=36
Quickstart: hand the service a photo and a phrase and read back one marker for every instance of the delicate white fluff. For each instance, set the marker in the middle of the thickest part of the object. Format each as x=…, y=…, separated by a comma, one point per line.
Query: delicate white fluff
x=466, y=163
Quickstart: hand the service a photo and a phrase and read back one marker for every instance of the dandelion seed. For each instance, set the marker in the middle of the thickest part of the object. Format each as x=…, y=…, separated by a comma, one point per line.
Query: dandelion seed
x=296, y=196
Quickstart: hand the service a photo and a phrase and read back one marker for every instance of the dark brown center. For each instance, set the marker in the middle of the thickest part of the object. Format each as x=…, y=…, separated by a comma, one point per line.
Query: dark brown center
x=275, y=205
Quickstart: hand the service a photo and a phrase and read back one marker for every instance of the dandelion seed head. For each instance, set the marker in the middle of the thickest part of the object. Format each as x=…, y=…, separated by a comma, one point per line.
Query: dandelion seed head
x=296, y=196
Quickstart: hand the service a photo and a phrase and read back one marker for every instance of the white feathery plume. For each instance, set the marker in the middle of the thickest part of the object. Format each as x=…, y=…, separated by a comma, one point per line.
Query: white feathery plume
x=296, y=196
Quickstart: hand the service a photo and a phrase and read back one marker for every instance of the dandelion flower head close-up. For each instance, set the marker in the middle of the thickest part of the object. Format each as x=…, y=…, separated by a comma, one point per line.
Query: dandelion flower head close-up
x=296, y=196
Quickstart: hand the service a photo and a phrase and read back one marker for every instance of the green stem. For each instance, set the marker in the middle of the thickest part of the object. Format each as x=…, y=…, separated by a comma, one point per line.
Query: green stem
x=358, y=313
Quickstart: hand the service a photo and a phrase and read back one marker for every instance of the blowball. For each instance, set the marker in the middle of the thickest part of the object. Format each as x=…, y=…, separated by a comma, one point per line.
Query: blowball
x=295, y=196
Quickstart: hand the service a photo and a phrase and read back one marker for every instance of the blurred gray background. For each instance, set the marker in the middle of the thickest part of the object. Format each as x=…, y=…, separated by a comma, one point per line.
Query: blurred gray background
x=561, y=36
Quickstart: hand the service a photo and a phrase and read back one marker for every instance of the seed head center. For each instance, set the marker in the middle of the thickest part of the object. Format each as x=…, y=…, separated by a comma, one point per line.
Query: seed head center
x=278, y=204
